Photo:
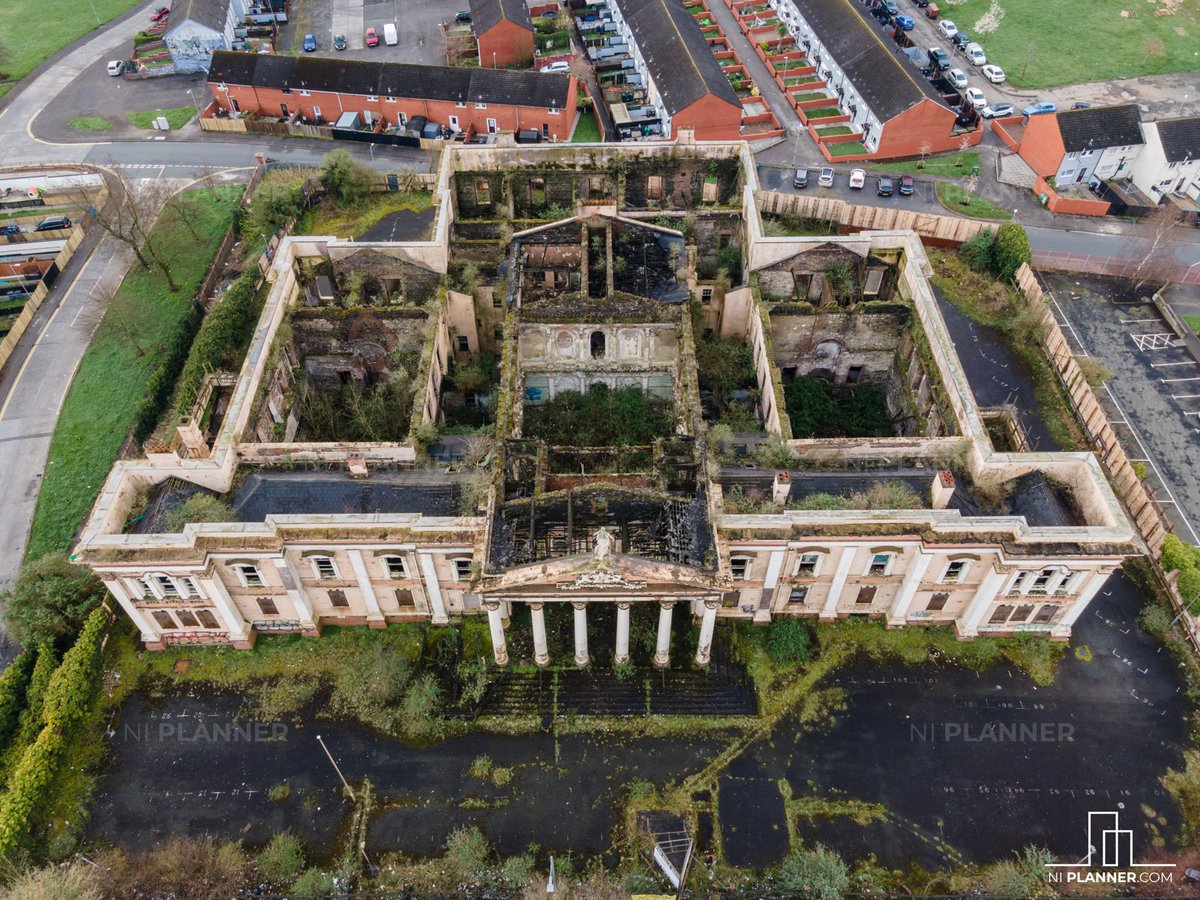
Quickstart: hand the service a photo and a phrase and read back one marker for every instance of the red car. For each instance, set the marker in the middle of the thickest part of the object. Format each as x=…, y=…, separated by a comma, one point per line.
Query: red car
x=159, y=14
x=372, y=37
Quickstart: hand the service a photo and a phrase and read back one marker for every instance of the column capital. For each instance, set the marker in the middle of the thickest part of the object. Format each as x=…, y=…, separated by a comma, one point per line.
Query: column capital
x=712, y=604
x=667, y=604
x=536, y=607
x=491, y=605
x=579, y=604
x=624, y=604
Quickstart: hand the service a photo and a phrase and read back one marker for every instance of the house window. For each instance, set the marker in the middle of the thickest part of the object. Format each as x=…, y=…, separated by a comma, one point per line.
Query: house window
x=462, y=569
x=207, y=619
x=938, y=601
x=706, y=295
x=190, y=587
x=372, y=99
x=1041, y=583
x=324, y=568
x=464, y=345
x=393, y=100
x=739, y=567
x=654, y=187
x=1018, y=583
x=267, y=606
x=186, y=618
x=854, y=375
x=395, y=566
x=1000, y=615
x=338, y=599
x=866, y=595
x=1045, y=613
x=460, y=105
x=552, y=111
x=404, y=598
x=956, y=570
x=597, y=345
x=799, y=593
x=881, y=564
x=249, y=575
x=1068, y=585
x=164, y=620
x=807, y=565
x=1022, y=613
x=304, y=94
x=481, y=106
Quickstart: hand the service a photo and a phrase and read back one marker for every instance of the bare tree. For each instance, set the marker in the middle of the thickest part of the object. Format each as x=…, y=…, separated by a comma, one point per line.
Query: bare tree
x=925, y=149
x=1156, y=249
x=129, y=216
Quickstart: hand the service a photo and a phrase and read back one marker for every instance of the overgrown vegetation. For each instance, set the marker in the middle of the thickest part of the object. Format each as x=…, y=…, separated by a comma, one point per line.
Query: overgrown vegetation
x=201, y=507
x=725, y=366
x=378, y=412
x=601, y=418
x=818, y=409
x=51, y=599
x=118, y=369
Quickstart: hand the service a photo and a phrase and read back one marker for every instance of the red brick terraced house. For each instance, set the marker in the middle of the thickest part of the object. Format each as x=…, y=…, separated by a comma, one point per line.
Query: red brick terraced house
x=471, y=100
x=503, y=32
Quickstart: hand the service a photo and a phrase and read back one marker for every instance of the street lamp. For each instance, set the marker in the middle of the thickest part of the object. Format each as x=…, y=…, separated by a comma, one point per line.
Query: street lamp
x=1186, y=607
x=1014, y=215
x=194, y=103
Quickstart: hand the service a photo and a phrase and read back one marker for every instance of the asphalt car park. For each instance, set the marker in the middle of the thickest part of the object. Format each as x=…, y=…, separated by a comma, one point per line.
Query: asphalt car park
x=418, y=28
x=1153, y=396
x=922, y=199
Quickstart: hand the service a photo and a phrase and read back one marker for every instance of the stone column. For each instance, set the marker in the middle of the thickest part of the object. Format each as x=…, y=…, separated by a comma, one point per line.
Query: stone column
x=707, y=625
x=541, y=655
x=917, y=567
x=370, y=601
x=495, y=613
x=662, y=650
x=291, y=580
x=149, y=630
x=622, y=654
x=968, y=624
x=227, y=611
x=829, y=610
x=433, y=590
x=581, y=647
x=1062, y=628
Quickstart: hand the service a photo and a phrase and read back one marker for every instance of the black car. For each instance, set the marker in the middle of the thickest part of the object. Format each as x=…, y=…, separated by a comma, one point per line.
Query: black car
x=463, y=16
x=800, y=178
x=940, y=58
x=906, y=185
x=960, y=40
x=886, y=186
x=339, y=42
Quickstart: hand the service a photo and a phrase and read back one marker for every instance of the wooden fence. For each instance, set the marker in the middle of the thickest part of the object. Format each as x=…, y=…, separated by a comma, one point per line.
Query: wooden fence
x=931, y=227
x=254, y=126
x=38, y=297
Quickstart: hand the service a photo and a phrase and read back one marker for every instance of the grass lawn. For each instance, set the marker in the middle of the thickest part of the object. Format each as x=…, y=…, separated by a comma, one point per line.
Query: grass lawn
x=32, y=30
x=586, y=129
x=936, y=165
x=176, y=118
x=978, y=207
x=1029, y=43
x=356, y=220
x=90, y=123
x=1193, y=322
x=850, y=148
x=103, y=399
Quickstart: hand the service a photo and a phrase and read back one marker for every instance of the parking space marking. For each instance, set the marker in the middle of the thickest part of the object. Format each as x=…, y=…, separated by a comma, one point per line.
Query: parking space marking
x=1187, y=362
x=1174, y=380
x=1139, y=321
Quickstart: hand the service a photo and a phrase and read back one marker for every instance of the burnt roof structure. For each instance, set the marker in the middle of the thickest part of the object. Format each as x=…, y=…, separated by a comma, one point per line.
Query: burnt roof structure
x=676, y=53
x=387, y=79
x=1100, y=127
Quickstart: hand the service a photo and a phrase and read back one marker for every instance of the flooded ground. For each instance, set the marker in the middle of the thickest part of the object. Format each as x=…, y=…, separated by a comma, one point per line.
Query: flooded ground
x=914, y=740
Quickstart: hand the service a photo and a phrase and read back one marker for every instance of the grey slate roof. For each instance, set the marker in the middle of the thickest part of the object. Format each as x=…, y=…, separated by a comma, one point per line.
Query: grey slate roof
x=386, y=79
x=1100, y=127
x=676, y=53
x=877, y=68
x=212, y=13
x=487, y=14
x=333, y=493
x=1180, y=138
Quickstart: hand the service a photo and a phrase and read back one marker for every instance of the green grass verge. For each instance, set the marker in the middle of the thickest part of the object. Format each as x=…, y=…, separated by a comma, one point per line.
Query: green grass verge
x=90, y=123
x=850, y=148
x=952, y=196
x=176, y=117
x=1193, y=322
x=34, y=30
x=102, y=403
x=954, y=166
x=1123, y=41
x=356, y=220
x=989, y=301
x=586, y=129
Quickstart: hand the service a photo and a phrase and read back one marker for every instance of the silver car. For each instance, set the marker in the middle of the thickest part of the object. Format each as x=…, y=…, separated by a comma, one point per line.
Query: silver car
x=826, y=177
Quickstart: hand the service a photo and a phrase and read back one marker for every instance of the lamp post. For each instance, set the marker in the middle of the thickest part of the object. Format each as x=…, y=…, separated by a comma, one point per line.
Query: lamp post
x=194, y=103
x=1186, y=607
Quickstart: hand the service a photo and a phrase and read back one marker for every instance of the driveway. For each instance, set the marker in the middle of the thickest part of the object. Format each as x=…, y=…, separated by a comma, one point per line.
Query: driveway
x=418, y=27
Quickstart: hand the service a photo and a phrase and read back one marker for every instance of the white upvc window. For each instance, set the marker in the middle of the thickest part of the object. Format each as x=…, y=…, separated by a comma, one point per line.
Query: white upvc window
x=808, y=565
x=956, y=571
x=324, y=568
x=481, y=106
x=395, y=567
x=249, y=575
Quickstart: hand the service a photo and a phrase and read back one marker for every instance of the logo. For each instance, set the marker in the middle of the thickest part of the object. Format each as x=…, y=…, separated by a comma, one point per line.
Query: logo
x=1110, y=858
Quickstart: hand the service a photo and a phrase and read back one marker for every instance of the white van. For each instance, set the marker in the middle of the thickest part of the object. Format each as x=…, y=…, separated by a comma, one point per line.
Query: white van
x=974, y=54
x=389, y=34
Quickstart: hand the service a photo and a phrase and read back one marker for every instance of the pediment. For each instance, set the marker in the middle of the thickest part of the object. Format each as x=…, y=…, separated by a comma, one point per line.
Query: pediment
x=583, y=575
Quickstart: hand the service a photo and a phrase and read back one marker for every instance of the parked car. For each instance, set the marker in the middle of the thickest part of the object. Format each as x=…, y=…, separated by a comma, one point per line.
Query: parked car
x=890, y=6
x=561, y=67
x=940, y=58
x=974, y=54
x=947, y=28
x=463, y=15
x=907, y=182
x=885, y=187
x=931, y=10
x=825, y=179
x=310, y=43
x=998, y=111
x=10, y=229
x=958, y=78
x=54, y=223
x=389, y=34
x=116, y=67
x=160, y=13
x=920, y=4
x=857, y=179
x=976, y=98
x=960, y=40
x=994, y=74
x=339, y=42
x=800, y=178
x=906, y=23
x=1041, y=106
x=1081, y=104
x=372, y=37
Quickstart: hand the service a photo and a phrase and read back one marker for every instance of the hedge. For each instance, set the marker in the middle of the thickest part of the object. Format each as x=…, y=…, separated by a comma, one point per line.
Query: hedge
x=222, y=340
x=68, y=701
x=162, y=379
x=32, y=717
x=13, y=684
